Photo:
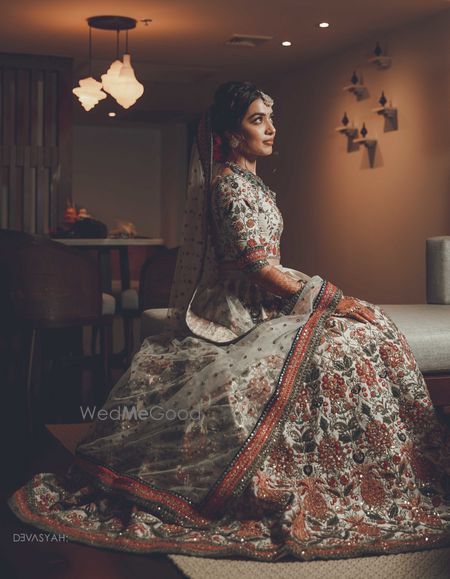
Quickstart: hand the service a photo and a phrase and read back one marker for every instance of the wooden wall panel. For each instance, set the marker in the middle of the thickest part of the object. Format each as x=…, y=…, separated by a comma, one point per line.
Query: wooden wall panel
x=35, y=141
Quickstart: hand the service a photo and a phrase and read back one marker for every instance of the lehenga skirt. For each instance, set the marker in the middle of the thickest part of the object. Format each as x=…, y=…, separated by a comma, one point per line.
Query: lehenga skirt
x=309, y=437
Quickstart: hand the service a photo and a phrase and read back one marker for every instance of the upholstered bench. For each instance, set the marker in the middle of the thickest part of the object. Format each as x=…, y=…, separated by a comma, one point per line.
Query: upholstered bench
x=425, y=326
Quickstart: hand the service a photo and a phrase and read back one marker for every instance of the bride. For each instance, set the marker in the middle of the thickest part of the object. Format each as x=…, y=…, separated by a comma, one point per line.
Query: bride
x=276, y=416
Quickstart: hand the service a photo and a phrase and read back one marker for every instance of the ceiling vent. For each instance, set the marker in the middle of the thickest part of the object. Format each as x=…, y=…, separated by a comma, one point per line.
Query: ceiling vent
x=247, y=40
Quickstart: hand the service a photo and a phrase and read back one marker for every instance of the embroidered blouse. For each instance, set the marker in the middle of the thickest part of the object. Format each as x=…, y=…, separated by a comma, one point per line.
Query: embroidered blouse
x=247, y=221
x=246, y=231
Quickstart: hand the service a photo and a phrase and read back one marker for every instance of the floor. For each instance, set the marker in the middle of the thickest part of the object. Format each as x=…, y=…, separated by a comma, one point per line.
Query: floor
x=21, y=558
x=23, y=456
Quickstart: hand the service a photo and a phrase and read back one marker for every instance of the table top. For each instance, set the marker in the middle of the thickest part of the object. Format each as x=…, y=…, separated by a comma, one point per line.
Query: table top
x=110, y=241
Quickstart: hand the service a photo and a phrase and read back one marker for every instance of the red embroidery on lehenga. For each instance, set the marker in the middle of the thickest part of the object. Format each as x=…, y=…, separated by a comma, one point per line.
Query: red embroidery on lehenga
x=224, y=490
x=126, y=484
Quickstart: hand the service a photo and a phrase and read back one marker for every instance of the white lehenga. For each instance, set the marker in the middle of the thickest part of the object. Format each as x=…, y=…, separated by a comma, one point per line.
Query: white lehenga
x=280, y=427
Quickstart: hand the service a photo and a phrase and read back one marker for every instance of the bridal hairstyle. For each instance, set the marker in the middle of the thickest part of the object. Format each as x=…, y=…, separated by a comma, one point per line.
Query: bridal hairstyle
x=231, y=101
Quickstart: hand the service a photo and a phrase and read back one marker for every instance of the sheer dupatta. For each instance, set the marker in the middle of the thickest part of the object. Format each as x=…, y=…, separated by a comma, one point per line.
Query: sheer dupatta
x=196, y=262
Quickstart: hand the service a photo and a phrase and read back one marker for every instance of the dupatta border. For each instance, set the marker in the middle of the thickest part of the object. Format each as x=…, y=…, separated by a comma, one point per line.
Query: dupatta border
x=21, y=504
x=203, y=547
x=270, y=424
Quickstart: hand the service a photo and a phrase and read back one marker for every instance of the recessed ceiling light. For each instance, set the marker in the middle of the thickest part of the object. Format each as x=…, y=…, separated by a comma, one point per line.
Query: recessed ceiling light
x=286, y=43
x=112, y=114
x=324, y=25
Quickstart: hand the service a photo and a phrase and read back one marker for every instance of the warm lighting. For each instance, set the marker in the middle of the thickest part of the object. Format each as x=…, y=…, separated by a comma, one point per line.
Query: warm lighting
x=286, y=43
x=126, y=89
x=119, y=81
x=324, y=25
x=111, y=114
x=110, y=78
x=89, y=93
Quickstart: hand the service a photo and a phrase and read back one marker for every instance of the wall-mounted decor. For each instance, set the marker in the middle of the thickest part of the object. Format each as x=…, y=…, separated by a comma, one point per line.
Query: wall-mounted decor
x=345, y=129
x=357, y=87
x=363, y=140
x=379, y=58
x=119, y=81
x=388, y=112
x=370, y=144
x=385, y=110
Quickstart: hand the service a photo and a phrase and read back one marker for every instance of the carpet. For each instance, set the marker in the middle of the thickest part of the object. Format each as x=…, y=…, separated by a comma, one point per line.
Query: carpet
x=433, y=564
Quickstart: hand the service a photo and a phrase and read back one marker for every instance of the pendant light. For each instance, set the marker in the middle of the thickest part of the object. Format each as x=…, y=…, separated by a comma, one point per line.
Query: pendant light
x=120, y=80
x=111, y=77
x=127, y=89
x=89, y=91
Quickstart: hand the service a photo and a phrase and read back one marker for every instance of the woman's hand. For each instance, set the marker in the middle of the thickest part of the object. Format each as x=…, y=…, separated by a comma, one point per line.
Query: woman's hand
x=352, y=308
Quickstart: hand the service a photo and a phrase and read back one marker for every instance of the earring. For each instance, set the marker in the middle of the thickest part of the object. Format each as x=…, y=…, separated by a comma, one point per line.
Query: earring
x=234, y=143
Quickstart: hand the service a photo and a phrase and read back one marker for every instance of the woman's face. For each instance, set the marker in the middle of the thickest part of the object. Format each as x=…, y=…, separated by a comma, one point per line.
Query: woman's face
x=257, y=130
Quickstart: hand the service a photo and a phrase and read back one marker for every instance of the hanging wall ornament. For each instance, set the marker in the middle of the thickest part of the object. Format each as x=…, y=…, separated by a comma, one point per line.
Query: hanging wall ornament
x=382, y=100
x=377, y=50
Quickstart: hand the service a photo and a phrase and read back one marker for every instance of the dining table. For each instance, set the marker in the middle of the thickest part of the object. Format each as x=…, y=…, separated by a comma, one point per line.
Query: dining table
x=104, y=247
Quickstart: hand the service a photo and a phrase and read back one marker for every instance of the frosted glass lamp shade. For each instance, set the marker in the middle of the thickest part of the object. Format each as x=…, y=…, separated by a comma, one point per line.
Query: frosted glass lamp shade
x=89, y=92
x=127, y=89
x=110, y=79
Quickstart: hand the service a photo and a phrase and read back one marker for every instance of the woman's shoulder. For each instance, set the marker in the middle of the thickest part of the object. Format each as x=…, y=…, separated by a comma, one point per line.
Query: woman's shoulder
x=228, y=182
x=224, y=176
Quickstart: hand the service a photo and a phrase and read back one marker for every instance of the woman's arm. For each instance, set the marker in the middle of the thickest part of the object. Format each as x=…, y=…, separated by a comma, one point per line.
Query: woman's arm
x=237, y=219
x=275, y=281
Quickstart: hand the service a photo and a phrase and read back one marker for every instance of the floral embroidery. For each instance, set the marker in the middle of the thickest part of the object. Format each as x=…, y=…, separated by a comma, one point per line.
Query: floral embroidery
x=248, y=224
x=347, y=459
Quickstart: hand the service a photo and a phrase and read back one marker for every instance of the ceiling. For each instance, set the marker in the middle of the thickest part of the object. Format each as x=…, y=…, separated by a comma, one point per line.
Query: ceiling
x=182, y=54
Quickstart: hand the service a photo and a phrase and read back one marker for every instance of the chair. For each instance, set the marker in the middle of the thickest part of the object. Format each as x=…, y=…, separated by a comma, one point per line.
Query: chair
x=46, y=286
x=155, y=281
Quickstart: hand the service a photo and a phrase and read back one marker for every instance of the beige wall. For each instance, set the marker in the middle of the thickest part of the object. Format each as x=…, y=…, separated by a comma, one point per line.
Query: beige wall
x=133, y=173
x=117, y=175
x=174, y=181
x=364, y=228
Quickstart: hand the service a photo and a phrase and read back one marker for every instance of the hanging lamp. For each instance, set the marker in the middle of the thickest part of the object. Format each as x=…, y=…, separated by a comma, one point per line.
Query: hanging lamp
x=89, y=91
x=127, y=89
x=120, y=80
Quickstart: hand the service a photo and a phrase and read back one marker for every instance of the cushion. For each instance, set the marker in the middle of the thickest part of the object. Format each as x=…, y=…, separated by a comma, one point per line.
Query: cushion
x=155, y=321
x=108, y=305
x=427, y=330
x=425, y=326
x=129, y=300
x=438, y=270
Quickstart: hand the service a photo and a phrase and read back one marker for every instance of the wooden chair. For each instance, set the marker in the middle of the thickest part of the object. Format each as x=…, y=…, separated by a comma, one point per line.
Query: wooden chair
x=156, y=279
x=46, y=286
x=154, y=289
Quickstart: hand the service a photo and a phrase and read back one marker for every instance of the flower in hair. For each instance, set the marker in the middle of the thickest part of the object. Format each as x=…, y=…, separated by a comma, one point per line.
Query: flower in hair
x=218, y=154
